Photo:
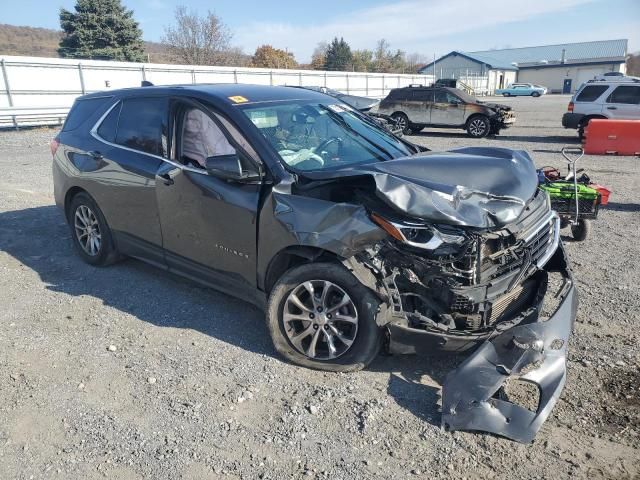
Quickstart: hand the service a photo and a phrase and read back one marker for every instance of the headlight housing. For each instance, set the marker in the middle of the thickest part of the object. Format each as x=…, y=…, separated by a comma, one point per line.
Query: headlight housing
x=425, y=237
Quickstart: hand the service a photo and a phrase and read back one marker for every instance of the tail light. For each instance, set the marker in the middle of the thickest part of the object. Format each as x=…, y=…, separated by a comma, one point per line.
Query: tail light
x=570, y=107
x=54, y=144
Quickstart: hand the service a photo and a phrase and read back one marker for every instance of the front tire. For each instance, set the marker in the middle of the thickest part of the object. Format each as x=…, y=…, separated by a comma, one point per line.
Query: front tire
x=90, y=233
x=320, y=316
x=403, y=122
x=535, y=94
x=478, y=126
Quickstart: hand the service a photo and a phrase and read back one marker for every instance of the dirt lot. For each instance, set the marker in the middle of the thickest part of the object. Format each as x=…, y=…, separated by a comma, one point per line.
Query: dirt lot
x=128, y=372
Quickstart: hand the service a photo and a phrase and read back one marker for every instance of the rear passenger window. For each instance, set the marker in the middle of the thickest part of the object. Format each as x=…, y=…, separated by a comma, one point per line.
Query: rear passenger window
x=81, y=110
x=398, y=94
x=625, y=94
x=423, y=95
x=108, y=127
x=591, y=93
x=143, y=125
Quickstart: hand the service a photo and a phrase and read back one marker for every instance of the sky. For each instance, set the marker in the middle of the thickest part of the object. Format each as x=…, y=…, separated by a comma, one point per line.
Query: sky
x=427, y=27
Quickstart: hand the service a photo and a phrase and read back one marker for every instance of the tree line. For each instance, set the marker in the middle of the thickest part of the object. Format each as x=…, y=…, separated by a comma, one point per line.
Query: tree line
x=105, y=29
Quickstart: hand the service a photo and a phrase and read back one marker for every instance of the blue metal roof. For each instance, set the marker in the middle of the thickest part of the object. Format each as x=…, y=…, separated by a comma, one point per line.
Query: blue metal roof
x=599, y=50
x=573, y=52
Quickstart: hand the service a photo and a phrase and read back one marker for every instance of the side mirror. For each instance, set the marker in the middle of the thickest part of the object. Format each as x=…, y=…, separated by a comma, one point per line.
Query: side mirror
x=229, y=168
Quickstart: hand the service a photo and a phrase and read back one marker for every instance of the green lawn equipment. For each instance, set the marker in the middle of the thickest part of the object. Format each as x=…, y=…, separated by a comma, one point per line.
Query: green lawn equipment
x=564, y=192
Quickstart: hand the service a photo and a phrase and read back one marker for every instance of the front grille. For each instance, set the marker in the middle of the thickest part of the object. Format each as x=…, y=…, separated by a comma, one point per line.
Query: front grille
x=541, y=241
x=513, y=302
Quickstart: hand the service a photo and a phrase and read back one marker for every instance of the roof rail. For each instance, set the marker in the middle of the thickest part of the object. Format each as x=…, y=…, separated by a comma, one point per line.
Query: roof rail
x=614, y=78
x=146, y=83
x=416, y=85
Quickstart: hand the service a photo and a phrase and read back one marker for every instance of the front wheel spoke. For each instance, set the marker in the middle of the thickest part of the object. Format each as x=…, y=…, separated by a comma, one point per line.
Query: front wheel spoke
x=298, y=303
x=345, y=318
x=330, y=345
x=345, y=301
x=322, y=301
x=347, y=341
x=311, y=351
x=93, y=245
x=309, y=287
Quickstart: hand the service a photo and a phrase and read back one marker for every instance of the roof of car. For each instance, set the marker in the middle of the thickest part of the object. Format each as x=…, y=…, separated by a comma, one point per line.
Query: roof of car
x=230, y=93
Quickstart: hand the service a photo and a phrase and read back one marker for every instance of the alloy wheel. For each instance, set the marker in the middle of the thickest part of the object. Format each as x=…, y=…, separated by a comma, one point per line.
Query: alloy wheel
x=477, y=127
x=87, y=230
x=320, y=320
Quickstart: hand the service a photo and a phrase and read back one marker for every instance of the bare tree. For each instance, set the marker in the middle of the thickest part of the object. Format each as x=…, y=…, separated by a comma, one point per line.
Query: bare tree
x=199, y=40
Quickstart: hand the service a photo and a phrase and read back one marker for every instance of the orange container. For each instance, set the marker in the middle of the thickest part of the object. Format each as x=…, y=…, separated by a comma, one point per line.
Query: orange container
x=612, y=137
x=604, y=193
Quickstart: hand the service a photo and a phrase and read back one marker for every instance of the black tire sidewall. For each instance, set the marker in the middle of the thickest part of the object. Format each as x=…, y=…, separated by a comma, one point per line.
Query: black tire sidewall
x=107, y=252
x=487, y=125
x=369, y=337
x=581, y=231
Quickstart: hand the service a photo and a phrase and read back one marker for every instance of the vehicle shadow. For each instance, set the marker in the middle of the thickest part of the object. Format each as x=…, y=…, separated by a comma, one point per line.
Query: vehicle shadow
x=622, y=207
x=415, y=381
x=40, y=240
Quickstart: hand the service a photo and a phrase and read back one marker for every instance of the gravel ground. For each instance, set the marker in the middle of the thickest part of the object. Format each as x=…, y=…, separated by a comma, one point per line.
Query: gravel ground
x=129, y=372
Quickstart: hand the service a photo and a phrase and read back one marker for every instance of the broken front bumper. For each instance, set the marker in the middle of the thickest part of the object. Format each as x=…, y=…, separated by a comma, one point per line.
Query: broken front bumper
x=533, y=351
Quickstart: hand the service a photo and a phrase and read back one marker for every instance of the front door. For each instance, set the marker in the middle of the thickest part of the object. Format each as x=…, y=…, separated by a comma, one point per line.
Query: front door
x=447, y=109
x=208, y=223
x=566, y=86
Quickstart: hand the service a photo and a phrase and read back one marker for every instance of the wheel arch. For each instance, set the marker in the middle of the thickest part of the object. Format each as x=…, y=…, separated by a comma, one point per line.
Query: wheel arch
x=68, y=197
x=294, y=256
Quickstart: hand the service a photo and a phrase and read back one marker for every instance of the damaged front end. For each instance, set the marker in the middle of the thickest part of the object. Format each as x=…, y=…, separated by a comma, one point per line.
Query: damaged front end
x=466, y=268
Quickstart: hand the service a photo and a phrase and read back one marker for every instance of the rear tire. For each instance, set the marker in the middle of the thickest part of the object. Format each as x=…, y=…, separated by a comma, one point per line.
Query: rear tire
x=506, y=94
x=90, y=233
x=581, y=231
x=478, y=126
x=301, y=325
x=403, y=122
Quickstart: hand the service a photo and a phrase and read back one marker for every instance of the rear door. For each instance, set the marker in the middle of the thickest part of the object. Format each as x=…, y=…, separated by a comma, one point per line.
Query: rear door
x=417, y=105
x=447, y=109
x=624, y=103
x=209, y=224
x=133, y=137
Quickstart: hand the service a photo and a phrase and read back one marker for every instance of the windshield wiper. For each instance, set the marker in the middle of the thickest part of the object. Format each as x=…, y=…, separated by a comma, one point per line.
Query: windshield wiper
x=345, y=124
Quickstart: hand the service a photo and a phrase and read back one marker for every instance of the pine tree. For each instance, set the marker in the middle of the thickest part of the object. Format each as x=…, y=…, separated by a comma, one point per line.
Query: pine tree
x=338, y=55
x=101, y=29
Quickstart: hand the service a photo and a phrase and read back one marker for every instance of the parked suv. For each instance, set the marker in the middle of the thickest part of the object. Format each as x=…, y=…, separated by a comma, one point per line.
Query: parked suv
x=346, y=235
x=614, y=97
x=416, y=107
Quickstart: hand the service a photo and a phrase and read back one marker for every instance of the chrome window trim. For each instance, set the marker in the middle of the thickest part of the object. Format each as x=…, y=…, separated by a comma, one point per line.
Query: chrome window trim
x=94, y=134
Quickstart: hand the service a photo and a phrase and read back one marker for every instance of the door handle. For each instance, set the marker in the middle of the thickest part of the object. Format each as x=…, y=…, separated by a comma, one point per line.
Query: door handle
x=612, y=108
x=167, y=180
x=95, y=155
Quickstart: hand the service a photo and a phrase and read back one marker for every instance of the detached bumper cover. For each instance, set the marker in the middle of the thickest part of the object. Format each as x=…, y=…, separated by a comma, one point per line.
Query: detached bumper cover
x=531, y=352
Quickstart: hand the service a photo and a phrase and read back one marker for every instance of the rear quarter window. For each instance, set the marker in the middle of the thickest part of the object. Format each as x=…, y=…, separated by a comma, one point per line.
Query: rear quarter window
x=591, y=93
x=143, y=125
x=109, y=126
x=81, y=110
x=625, y=94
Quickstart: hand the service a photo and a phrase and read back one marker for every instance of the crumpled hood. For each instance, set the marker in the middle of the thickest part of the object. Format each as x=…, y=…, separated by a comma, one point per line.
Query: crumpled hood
x=476, y=187
x=497, y=106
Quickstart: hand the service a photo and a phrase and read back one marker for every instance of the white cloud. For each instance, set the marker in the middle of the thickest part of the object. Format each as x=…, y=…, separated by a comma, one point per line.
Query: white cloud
x=410, y=25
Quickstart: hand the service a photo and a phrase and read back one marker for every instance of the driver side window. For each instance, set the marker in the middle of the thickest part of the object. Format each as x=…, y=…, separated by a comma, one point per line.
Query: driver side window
x=201, y=138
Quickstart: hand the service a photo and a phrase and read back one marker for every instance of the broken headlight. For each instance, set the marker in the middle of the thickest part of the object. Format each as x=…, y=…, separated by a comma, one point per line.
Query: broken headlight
x=444, y=239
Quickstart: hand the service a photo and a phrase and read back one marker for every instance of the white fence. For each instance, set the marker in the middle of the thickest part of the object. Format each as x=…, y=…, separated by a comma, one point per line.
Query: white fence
x=41, y=84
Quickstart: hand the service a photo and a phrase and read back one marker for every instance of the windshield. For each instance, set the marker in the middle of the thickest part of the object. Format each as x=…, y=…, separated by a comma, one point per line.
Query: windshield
x=311, y=135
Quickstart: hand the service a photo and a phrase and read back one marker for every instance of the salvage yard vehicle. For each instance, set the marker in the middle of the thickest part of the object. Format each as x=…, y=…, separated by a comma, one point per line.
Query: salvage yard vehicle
x=606, y=97
x=522, y=89
x=416, y=107
x=348, y=237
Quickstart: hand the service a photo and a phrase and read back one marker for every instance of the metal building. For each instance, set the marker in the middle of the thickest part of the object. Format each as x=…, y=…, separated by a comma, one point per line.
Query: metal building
x=561, y=68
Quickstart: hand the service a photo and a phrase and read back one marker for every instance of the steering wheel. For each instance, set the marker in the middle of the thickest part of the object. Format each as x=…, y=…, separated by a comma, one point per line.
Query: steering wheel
x=325, y=144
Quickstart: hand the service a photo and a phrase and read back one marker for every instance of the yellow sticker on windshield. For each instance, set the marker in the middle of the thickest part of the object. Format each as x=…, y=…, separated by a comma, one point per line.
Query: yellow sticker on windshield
x=238, y=99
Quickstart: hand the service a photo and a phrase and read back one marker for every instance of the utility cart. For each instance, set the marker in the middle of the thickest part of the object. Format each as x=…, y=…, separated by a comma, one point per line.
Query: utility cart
x=564, y=191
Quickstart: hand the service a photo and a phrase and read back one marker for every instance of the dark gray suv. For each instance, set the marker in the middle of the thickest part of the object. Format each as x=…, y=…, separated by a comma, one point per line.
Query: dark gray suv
x=349, y=237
